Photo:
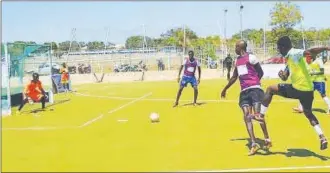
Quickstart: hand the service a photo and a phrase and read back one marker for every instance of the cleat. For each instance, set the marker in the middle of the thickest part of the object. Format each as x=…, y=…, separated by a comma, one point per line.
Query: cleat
x=324, y=144
x=175, y=104
x=194, y=104
x=254, y=148
x=297, y=110
x=268, y=144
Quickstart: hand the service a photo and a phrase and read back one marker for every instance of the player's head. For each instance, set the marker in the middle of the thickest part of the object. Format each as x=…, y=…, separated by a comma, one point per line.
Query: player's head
x=191, y=54
x=309, y=57
x=35, y=76
x=240, y=47
x=64, y=64
x=284, y=45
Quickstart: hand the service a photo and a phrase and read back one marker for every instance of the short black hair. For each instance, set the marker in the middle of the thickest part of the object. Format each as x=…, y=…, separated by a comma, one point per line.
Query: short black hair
x=284, y=41
x=35, y=75
x=190, y=51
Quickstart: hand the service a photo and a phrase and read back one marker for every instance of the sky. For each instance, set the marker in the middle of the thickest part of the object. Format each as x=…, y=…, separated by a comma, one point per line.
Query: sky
x=53, y=21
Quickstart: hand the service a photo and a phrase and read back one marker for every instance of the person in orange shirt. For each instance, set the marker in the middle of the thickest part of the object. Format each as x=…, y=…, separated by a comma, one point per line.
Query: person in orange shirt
x=33, y=92
x=65, y=77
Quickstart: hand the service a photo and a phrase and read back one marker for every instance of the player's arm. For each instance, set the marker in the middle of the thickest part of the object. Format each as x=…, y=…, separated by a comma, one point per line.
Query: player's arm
x=317, y=50
x=26, y=91
x=255, y=62
x=259, y=70
x=232, y=80
x=284, y=74
x=180, y=70
x=199, y=71
x=41, y=88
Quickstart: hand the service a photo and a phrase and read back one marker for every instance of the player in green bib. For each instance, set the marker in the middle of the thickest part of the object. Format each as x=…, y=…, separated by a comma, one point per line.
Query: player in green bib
x=317, y=73
x=301, y=86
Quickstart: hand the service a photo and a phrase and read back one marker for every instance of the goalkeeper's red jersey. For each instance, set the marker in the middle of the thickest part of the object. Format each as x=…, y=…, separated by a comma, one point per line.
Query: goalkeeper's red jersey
x=34, y=90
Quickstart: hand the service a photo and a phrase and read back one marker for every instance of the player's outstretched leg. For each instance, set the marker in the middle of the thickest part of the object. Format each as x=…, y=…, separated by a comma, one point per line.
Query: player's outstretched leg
x=24, y=101
x=270, y=91
x=268, y=143
x=307, y=101
x=249, y=126
x=178, y=96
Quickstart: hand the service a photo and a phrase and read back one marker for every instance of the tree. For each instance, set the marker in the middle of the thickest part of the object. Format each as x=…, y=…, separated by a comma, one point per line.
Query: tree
x=175, y=37
x=82, y=44
x=284, y=17
x=53, y=45
x=136, y=42
x=95, y=45
x=64, y=46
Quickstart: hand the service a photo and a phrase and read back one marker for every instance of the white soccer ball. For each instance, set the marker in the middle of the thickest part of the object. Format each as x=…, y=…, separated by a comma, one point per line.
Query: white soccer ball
x=154, y=117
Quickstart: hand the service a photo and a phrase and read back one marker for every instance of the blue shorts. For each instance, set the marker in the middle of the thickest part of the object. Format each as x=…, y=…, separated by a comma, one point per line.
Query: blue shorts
x=320, y=87
x=188, y=79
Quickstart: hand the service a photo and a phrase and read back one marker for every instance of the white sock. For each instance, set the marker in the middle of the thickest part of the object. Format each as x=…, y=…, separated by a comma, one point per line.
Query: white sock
x=300, y=107
x=263, y=109
x=318, y=129
x=327, y=101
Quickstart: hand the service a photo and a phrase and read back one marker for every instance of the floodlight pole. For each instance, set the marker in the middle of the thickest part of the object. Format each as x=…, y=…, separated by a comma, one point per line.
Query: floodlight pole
x=225, y=36
x=302, y=32
x=241, y=18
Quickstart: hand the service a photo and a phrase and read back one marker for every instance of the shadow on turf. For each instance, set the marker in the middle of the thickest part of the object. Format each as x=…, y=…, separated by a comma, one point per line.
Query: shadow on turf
x=190, y=104
x=41, y=110
x=291, y=152
x=318, y=110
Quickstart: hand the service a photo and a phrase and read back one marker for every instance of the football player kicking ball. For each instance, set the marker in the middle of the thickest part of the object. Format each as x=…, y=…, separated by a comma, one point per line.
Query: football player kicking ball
x=302, y=85
x=317, y=74
x=190, y=64
x=33, y=92
x=249, y=73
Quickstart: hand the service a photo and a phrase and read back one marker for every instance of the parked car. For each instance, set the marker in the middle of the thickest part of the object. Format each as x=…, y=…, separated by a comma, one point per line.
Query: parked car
x=84, y=69
x=213, y=64
x=44, y=69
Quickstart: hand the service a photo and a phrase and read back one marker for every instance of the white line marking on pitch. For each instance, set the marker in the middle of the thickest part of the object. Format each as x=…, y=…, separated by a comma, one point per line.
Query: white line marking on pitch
x=37, y=128
x=168, y=99
x=115, y=110
x=265, y=169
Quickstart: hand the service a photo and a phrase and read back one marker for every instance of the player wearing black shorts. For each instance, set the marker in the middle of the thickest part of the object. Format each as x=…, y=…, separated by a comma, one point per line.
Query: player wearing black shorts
x=249, y=72
x=302, y=85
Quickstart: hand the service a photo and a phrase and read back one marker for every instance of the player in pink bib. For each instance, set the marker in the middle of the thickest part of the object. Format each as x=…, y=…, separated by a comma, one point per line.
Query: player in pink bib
x=189, y=65
x=249, y=73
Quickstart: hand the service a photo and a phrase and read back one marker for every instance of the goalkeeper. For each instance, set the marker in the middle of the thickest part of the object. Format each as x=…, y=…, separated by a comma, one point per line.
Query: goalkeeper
x=33, y=92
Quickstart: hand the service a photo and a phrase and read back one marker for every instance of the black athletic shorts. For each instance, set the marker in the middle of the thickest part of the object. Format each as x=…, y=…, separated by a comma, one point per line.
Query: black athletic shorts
x=250, y=97
x=305, y=97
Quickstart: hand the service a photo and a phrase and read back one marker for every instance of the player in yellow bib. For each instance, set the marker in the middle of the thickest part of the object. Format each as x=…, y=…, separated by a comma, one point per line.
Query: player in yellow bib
x=302, y=87
x=317, y=73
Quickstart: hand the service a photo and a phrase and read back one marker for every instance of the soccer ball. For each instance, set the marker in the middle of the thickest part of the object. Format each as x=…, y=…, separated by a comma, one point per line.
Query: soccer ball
x=154, y=117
